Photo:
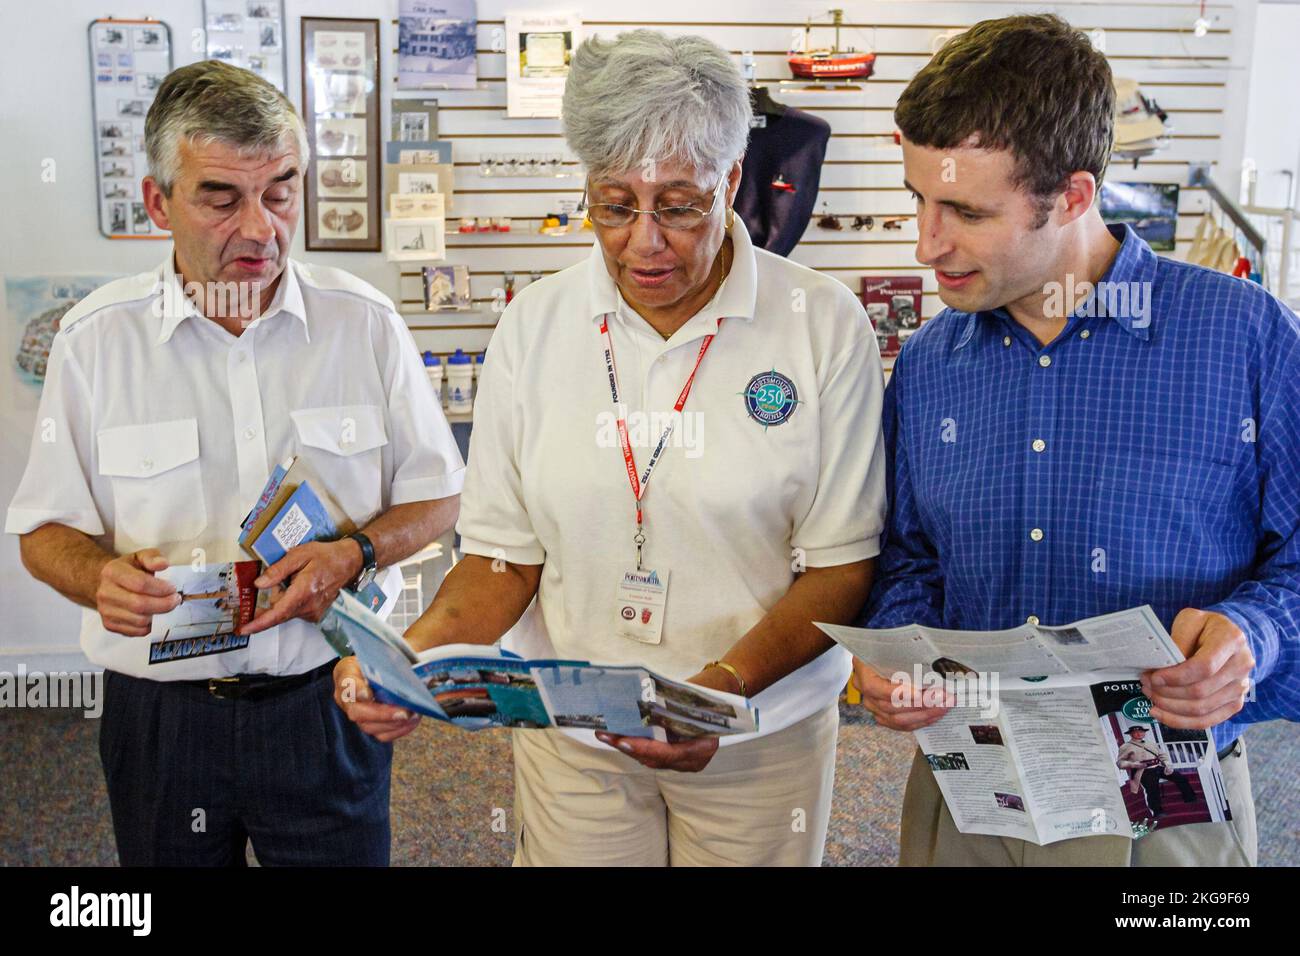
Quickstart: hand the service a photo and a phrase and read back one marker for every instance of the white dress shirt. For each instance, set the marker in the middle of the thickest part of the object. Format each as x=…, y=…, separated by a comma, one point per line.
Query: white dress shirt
x=158, y=429
x=735, y=505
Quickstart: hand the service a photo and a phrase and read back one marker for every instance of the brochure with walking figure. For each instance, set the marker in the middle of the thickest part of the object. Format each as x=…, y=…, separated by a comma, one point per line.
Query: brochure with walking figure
x=1051, y=737
x=478, y=687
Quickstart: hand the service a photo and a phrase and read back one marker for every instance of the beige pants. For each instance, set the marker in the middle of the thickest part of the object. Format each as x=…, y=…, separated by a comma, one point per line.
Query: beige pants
x=930, y=838
x=765, y=802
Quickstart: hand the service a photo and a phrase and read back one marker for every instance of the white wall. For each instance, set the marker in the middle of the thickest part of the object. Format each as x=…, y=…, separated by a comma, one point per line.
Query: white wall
x=1272, y=137
x=51, y=227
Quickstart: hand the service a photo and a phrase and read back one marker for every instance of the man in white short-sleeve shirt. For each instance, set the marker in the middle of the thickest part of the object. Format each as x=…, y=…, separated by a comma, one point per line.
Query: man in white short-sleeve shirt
x=166, y=406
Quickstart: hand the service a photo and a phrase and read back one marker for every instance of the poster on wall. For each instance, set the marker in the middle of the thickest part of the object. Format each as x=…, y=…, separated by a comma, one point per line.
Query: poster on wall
x=248, y=33
x=34, y=306
x=128, y=61
x=437, y=44
x=340, y=99
x=539, y=49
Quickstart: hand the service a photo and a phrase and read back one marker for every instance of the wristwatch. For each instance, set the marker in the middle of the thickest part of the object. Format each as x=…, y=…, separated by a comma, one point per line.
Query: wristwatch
x=368, y=569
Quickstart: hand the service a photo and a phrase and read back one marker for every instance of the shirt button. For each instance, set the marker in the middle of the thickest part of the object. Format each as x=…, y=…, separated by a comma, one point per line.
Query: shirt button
x=146, y=464
x=1036, y=534
x=1006, y=340
x=1084, y=334
x=1044, y=360
x=249, y=433
x=1039, y=444
x=1032, y=619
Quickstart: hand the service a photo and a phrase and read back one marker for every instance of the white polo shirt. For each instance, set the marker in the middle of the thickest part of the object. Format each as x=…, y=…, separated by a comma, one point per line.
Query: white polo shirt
x=158, y=429
x=777, y=461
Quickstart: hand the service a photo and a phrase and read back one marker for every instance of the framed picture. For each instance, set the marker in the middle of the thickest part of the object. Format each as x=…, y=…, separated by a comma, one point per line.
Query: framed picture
x=1150, y=208
x=416, y=240
x=340, y=99
x=128, y=60
x=414, y=120
x=446, y=288
x=248, y=33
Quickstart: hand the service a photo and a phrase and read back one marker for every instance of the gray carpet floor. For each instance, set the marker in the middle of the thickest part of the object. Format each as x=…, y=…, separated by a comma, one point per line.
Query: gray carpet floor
x=450, y=786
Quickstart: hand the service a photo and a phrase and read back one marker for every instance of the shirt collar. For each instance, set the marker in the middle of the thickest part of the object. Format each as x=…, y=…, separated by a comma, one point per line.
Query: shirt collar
x=176, y=307
x=1130, y=281
x=736, y=299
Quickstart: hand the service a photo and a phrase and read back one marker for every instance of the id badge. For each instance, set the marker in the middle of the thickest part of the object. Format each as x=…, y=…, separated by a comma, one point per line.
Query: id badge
x=642, y=596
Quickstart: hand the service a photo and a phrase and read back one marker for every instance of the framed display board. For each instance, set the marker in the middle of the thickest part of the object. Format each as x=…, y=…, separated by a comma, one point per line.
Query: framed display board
x=340, y=100
x=128, y=61
x=248, y=33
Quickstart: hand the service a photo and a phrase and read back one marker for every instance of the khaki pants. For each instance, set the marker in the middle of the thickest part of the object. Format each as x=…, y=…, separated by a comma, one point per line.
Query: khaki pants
x=930, y=838
x=765, y=802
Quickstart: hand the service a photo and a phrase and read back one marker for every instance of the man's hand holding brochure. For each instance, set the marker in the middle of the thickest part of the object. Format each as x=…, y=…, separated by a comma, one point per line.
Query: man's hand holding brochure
x=1048, y=734
x=476, y=687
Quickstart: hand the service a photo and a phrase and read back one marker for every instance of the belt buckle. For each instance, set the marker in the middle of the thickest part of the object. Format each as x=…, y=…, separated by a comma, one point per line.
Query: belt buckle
x=215, y=684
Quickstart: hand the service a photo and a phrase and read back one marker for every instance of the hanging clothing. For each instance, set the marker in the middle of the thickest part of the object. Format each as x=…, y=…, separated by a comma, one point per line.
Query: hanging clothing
x=781, y=171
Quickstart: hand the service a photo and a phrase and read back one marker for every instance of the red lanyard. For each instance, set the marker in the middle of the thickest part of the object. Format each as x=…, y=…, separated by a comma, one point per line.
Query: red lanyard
x=639, y=484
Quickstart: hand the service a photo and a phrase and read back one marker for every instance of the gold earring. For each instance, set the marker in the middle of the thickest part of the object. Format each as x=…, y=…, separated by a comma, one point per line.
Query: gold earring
x=731, y=217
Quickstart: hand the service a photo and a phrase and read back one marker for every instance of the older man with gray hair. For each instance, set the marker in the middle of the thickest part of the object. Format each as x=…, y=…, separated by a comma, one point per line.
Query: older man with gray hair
x=704, y=548
x=169, y=398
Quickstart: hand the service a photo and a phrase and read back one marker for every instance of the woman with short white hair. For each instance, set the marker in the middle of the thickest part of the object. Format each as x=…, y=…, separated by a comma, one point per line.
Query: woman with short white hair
x=682, y=403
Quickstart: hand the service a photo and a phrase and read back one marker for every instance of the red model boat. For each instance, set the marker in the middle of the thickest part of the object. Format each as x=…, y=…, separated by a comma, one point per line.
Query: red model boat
x=830, y=63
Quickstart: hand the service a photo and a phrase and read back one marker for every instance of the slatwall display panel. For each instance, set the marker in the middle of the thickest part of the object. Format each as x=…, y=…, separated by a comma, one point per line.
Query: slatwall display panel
x=1198, y=81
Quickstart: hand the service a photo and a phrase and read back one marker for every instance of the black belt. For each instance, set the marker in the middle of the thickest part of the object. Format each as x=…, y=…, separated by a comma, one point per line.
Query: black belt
x=1229, y=750
x=261, y=686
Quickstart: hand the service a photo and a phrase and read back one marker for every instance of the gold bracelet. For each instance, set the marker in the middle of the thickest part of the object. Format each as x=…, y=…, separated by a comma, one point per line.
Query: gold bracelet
x=744, y=690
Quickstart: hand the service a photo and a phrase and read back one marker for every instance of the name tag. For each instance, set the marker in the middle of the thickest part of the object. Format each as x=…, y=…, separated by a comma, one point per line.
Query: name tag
x=642, y=597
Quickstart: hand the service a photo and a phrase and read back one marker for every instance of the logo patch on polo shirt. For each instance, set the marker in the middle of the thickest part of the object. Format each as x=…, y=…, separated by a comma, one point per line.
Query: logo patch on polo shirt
x=770, y=398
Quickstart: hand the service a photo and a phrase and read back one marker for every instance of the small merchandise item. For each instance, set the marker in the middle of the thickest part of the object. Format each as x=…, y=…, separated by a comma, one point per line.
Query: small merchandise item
x=467, y=224
x=894, y=223
x=433, y=368
x=446, y=288
x=478, y=369
x=829, y=63
x=827, y=221
x=893, y=304
x=508, y=281
x=864, y=222
x=460, y=384
x=1141, y=126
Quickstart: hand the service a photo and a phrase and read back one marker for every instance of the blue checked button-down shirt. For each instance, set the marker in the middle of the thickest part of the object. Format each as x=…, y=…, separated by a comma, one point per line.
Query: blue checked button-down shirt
x=1152, y=457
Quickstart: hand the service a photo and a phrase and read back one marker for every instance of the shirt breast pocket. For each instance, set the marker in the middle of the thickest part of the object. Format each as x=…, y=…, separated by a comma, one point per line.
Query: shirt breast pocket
x=157, y=481
x=1162, y=524
x=343, y=445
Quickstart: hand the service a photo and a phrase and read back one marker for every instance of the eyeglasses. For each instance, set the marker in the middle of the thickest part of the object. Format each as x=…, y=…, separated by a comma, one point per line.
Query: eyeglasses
x=615, y=215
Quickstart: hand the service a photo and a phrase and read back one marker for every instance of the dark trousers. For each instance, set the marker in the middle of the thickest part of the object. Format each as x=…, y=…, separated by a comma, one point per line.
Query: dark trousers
x=1151, y=778
x=192, y=778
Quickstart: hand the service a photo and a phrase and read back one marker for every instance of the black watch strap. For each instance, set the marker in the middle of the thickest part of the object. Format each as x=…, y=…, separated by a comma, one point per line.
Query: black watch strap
x=367, y=555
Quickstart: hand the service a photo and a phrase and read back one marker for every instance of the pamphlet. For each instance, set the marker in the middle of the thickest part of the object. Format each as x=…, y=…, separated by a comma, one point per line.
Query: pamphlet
x=216, y=600
x=1051, y=737
x=477, y=687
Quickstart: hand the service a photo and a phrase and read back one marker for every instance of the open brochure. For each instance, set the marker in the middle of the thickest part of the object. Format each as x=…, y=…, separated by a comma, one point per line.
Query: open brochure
x=477, y=687
x=1052, y=737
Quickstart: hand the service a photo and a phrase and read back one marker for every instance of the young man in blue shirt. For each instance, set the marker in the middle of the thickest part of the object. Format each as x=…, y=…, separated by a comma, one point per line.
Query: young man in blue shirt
x=1086, y=428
